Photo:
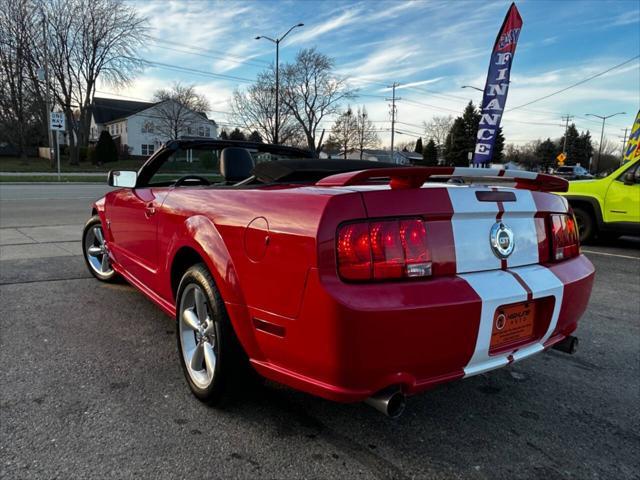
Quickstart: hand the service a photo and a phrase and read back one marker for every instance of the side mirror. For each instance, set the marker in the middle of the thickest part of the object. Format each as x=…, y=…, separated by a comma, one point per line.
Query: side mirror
x=630, y=178
x=122, y=178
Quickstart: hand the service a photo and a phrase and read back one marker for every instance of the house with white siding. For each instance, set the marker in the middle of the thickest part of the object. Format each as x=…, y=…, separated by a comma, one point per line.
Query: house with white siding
x=143, y=127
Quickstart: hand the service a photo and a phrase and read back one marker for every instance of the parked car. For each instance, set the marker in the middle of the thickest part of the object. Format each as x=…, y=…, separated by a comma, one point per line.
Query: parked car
x=610, y=206
x=573, y=172
x=346, y=279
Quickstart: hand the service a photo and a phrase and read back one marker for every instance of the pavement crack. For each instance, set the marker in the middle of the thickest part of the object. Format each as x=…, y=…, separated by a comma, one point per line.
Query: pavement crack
x=27, y=235
x=46, y=280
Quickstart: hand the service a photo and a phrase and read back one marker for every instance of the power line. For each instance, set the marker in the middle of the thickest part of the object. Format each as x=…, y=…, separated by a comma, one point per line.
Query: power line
x=215, y=57
x=584, y=80
x=191, y=70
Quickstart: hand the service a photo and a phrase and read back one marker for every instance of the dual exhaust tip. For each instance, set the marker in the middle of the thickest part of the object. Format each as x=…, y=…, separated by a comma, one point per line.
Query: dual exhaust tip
x=390, y=401
x=567, y=345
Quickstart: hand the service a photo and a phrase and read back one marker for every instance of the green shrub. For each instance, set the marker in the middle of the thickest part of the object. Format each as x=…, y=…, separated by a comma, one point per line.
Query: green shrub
x=210, y=161
x=106, y=150
x=83, y=153
x=125, y=152
x=91, y=155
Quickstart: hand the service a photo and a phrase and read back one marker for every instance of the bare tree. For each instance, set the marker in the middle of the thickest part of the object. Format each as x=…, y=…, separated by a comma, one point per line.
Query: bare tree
x=311, y=92
x=90, y=39
x=255, y=109
x=609, y=147
x=366, y=131
x=438, y=129
x=21, y=107
x=180, y=109
x=344, y=133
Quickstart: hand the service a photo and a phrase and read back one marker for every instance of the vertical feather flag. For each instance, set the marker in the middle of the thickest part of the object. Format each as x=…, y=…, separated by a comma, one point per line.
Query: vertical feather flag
x=497, y=86
x=632, y=149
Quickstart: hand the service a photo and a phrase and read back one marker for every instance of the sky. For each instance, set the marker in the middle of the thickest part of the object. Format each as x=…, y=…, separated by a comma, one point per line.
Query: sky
x=431, y=48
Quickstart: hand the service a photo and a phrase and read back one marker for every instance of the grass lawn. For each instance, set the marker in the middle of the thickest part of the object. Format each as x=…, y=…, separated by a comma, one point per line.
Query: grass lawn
x=13, y=164
x=63, y=178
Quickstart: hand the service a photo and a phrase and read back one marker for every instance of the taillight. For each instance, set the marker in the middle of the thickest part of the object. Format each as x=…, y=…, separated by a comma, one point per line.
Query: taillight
x=383, y=250
x=565, y=240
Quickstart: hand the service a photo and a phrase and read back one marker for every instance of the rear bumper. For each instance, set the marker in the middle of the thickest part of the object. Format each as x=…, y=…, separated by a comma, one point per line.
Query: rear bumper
x=350, y=341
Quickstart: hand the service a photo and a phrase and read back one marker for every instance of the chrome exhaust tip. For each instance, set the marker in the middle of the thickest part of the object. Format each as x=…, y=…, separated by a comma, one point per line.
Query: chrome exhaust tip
x=391, y=402
x=568, y=345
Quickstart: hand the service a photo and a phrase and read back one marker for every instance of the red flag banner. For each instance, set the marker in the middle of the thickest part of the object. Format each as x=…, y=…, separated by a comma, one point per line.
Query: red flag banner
x=497, y=85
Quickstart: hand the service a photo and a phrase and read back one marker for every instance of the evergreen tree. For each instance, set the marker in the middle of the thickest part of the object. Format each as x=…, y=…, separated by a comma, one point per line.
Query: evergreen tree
x=255, y=137
x=430, y=153
x=106, y=150
x=573, y=147
x=462, y=137
x=584, y=149
x=418, y=148
x=546, y=153
x=236, y=134
x=224, y=135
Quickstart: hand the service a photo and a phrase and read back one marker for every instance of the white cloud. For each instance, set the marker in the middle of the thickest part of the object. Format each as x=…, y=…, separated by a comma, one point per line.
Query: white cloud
x=309, y=33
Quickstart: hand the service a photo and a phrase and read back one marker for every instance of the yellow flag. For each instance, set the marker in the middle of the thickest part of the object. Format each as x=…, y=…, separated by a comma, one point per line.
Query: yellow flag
x=632, y=150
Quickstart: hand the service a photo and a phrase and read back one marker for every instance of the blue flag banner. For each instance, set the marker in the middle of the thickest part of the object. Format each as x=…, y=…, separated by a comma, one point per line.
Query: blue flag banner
x=497, y=86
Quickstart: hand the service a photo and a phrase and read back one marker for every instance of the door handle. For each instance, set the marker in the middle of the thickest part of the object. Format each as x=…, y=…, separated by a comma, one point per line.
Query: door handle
x=149, y=210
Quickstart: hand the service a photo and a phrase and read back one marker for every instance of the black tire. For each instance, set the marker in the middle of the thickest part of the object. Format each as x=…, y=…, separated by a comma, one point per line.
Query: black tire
x=586, y=224
x=104, y=276
x=608, y=236
x=232, y=365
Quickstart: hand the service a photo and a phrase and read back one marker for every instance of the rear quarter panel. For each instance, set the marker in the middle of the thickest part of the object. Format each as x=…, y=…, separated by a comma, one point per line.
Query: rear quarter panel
x=261, y=242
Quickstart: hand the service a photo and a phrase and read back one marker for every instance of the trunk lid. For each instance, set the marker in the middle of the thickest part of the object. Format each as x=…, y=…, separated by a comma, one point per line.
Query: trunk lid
x=459, y=222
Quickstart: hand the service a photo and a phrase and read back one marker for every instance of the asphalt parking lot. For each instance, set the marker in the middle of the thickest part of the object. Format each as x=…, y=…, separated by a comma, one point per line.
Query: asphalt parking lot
x=91, y=387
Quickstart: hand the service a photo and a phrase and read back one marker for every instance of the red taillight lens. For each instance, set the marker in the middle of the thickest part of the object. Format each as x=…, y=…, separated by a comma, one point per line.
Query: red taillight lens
x=565, y=240
x=383, y=250
x=354, y=251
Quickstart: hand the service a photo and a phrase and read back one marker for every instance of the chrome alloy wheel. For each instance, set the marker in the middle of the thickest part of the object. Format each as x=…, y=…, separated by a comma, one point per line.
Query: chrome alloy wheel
x=96, y=252
x=198, y=338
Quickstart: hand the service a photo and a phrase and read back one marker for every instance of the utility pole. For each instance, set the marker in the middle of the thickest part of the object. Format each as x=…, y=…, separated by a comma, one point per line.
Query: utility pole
x=393, y=113
x=46, y=84
x=361, y=128
x=624, y=144
x=604, y=118
x=566, y=118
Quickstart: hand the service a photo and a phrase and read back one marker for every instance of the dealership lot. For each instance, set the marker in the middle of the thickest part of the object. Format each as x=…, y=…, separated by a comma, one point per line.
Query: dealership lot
x=90, y=385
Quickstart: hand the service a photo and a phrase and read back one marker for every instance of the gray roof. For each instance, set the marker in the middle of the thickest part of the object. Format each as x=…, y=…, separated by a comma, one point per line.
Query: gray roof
x=107, y=109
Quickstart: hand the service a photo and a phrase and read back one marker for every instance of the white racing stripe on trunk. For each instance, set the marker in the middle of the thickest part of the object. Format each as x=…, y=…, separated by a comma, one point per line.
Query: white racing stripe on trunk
x=518, y=216
x=471, y=223
x=495, y=288
x=543, y=283
x=499, y=288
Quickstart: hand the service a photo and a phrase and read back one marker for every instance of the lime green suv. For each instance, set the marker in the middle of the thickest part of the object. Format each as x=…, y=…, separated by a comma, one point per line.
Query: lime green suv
x=610, y=206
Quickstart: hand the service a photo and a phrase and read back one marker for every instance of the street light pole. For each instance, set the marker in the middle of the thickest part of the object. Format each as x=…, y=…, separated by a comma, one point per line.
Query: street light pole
x=604, y=118
x=277, y=43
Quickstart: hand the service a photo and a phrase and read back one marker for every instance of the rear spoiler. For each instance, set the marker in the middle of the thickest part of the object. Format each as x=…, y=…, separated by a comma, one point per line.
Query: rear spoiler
x=414, y=177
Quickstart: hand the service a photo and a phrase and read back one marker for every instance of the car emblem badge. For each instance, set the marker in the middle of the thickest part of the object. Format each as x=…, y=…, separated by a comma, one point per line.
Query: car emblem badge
x=501, y=239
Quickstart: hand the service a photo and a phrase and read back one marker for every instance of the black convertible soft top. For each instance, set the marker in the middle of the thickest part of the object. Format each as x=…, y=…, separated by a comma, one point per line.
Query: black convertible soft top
x=297, y=170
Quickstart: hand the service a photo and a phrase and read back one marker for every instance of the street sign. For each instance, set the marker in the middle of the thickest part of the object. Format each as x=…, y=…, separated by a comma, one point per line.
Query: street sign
x=57, y=122
x=561, y=158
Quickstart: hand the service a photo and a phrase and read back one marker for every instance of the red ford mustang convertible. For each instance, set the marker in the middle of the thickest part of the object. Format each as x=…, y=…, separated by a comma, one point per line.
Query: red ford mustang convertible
x=347, y=279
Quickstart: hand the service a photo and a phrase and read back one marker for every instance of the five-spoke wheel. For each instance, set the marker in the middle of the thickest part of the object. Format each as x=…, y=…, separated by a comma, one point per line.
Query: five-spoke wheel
x=197, y=336
x=212, y=359
x=96, y=252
